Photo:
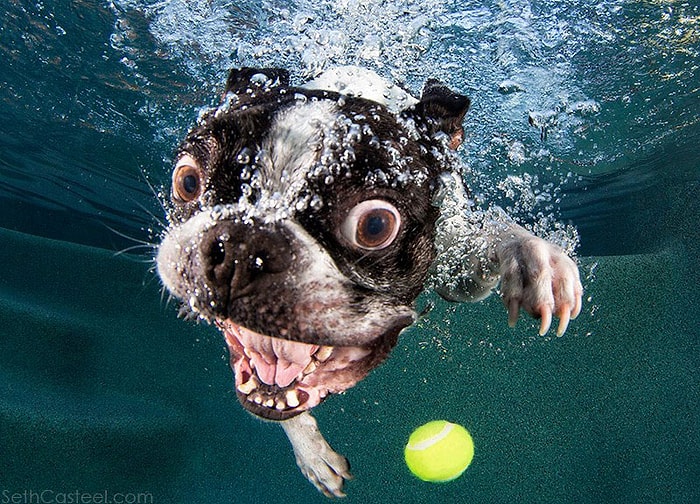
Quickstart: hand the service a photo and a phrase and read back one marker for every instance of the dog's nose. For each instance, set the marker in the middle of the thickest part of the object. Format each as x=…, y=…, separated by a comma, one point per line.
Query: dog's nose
x=236, y=256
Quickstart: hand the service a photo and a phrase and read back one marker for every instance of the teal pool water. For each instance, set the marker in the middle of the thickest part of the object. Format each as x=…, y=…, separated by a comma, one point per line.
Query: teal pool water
x=103, y=389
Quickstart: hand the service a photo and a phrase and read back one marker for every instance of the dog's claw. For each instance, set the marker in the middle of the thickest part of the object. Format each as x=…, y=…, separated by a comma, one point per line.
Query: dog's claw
x=328, y=479
x=577, y=304
x=546, y=316
x=564, y=317
x=513, y=311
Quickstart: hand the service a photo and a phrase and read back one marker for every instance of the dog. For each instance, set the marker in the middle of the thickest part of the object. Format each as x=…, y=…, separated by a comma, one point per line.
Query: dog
x=305, y=221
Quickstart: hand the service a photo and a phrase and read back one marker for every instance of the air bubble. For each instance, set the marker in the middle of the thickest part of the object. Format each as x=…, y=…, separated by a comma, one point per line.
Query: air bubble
x=316, y=202
x=256, y=180
x=243, y=156
x=302, y=203
x=348, y=156
x=354, y=134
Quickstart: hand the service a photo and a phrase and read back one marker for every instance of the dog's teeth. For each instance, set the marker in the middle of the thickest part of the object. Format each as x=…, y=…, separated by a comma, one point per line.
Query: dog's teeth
x=247, y=353
x=280, y=404
x=247, y=387
x=292, y=398
x=269, y=403
x=310, y=368
x=257, y=398
x=324, y=353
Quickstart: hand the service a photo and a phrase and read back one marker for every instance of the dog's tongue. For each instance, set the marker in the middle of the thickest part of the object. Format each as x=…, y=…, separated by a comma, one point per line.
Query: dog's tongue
x=276, y=361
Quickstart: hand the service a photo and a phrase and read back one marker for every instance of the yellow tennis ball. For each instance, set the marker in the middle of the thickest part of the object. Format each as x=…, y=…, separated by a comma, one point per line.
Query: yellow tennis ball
x=439, y=451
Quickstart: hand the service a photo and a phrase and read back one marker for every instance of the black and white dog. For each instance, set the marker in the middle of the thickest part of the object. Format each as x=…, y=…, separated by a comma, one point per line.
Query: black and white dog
x=305, y=221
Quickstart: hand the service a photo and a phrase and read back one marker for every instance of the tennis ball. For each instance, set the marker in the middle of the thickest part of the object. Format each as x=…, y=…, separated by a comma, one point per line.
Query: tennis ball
x=439, y=451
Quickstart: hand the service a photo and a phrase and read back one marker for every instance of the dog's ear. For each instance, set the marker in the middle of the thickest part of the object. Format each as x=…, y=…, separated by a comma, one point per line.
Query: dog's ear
x=441, y=110
x=241, y=79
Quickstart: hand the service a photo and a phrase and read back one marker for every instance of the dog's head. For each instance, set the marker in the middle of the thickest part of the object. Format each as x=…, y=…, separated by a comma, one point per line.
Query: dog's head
x=301, y=224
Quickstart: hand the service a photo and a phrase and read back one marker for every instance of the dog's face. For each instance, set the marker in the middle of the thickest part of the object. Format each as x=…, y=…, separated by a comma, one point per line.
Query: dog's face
x=301, y=224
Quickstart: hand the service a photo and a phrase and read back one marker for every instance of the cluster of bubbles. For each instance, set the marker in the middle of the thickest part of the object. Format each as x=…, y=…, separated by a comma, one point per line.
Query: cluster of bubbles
x=307, y=36
x=531, y=67
x=527, y=196
x=501, y=53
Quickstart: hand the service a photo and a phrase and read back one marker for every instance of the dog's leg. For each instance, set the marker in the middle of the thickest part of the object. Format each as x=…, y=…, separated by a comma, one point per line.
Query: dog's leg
x=323, y=467
x=476, y=250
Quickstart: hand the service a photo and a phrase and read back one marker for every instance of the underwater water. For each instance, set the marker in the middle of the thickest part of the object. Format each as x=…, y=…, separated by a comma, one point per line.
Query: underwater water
x=584, y=125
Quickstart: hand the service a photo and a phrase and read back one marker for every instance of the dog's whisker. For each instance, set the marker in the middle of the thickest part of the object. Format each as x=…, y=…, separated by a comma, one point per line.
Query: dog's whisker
x=141, y=246
x=426, y=310
x=160, y=196
x=163, y=293
x=158, y=221
x=130, y=238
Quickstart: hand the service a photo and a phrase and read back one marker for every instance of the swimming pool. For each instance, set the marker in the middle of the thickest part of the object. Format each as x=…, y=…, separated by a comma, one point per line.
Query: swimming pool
x=584, y=125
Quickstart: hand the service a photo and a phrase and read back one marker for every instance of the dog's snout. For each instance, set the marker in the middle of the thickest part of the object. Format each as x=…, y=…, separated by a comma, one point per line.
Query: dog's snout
x=236, y=257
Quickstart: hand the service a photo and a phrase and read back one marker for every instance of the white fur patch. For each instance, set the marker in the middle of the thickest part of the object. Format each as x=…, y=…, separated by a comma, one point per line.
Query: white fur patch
x=363, y=83
x=288, y=154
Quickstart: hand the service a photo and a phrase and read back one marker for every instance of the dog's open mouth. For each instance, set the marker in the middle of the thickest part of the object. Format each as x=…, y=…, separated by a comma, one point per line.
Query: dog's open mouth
x=278, y=379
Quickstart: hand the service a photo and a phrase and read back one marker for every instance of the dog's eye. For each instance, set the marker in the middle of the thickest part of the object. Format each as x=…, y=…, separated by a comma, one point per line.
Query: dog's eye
x=372, y=225
x=187, y=180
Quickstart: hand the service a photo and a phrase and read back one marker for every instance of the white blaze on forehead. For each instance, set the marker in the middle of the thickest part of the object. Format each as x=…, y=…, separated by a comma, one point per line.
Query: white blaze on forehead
x=289, y=152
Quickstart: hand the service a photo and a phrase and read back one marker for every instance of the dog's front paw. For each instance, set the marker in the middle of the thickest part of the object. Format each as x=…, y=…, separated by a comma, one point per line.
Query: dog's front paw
x=321, y=465
x=540, y=278
x=325, y=468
